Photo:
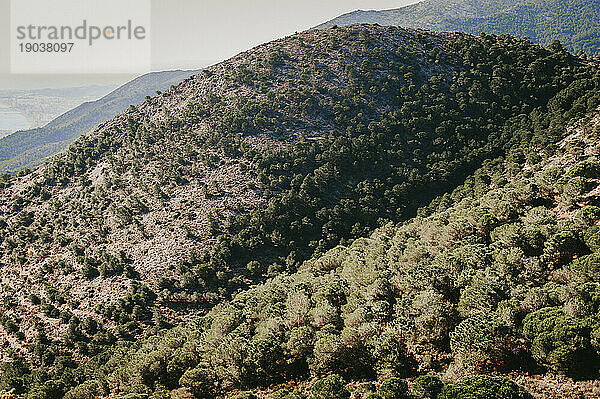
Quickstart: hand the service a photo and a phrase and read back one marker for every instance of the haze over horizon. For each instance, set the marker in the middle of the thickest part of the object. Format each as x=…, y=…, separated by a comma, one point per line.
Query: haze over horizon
x=190, y=34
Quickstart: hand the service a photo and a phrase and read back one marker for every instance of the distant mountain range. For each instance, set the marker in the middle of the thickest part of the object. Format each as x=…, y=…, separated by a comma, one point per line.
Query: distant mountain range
x=28, y=148
x=574, y=22
x=22, y=109
x=66, y=92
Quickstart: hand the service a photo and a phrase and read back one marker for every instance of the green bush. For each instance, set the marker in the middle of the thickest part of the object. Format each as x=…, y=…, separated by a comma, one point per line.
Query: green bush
x=560, y=342
x=591, y=237
x=427, y=387
x=484, y=387
x=330, y=387
x=198, y=381
x=482, y=295
x=481, y=343
x=328, y=351
x=589, y=168
x=111, y=268
x=587, y=268
x=132, y=396
x=89, y=271
x=563, y=247
x=389, y=354
x=365, y=390
x=88, y=390
x=287, y=394
x=588, y=215
x=51, y=389
x=393, y=388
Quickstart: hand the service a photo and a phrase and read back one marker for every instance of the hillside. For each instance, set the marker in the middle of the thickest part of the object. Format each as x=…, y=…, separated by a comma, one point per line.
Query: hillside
x=501, y=275
x=573, y=22
x=239, y=175
x=29, y=148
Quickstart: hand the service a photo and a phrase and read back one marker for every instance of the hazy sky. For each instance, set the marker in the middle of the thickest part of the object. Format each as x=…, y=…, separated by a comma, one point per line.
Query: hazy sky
x=189, y=34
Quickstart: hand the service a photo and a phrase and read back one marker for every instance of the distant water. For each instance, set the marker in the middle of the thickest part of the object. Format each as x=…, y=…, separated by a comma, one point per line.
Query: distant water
x=11, y=120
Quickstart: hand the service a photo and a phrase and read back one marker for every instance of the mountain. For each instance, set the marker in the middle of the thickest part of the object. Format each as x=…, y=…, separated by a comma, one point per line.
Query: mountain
x=135, y=262
x=29, y=148
x=573, y=22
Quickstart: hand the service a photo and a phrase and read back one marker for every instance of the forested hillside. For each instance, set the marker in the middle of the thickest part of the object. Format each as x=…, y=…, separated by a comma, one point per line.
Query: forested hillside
x=241, y=183
x=574, y=22
x=501, y=275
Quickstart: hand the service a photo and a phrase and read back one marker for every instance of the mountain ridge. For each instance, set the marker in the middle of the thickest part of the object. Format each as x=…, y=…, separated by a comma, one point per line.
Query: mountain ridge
x=574, y=22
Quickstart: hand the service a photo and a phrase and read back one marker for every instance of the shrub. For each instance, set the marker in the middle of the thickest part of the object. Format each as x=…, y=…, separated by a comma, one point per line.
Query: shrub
x=486, y=224
x=560, y=342
x=111, y=267
x=389, y=353
x=132, y=396
x=563, y=247
x=287, y=394
x=482, y=295
x=427, y=387
x=591, y=237
x=481, y=342
x=48, y=390
x=35, y=300
x=393, y=388
x=484, y=387
x=89, y=271
x=589, y=168
x=198, y=381
x=263, y=361
x=328, y=351
x=588, y=215
x=135, y=391
x=365, y=390
x=587, y=267
x=88, y=390
x=330, y=387
x=13, y=376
